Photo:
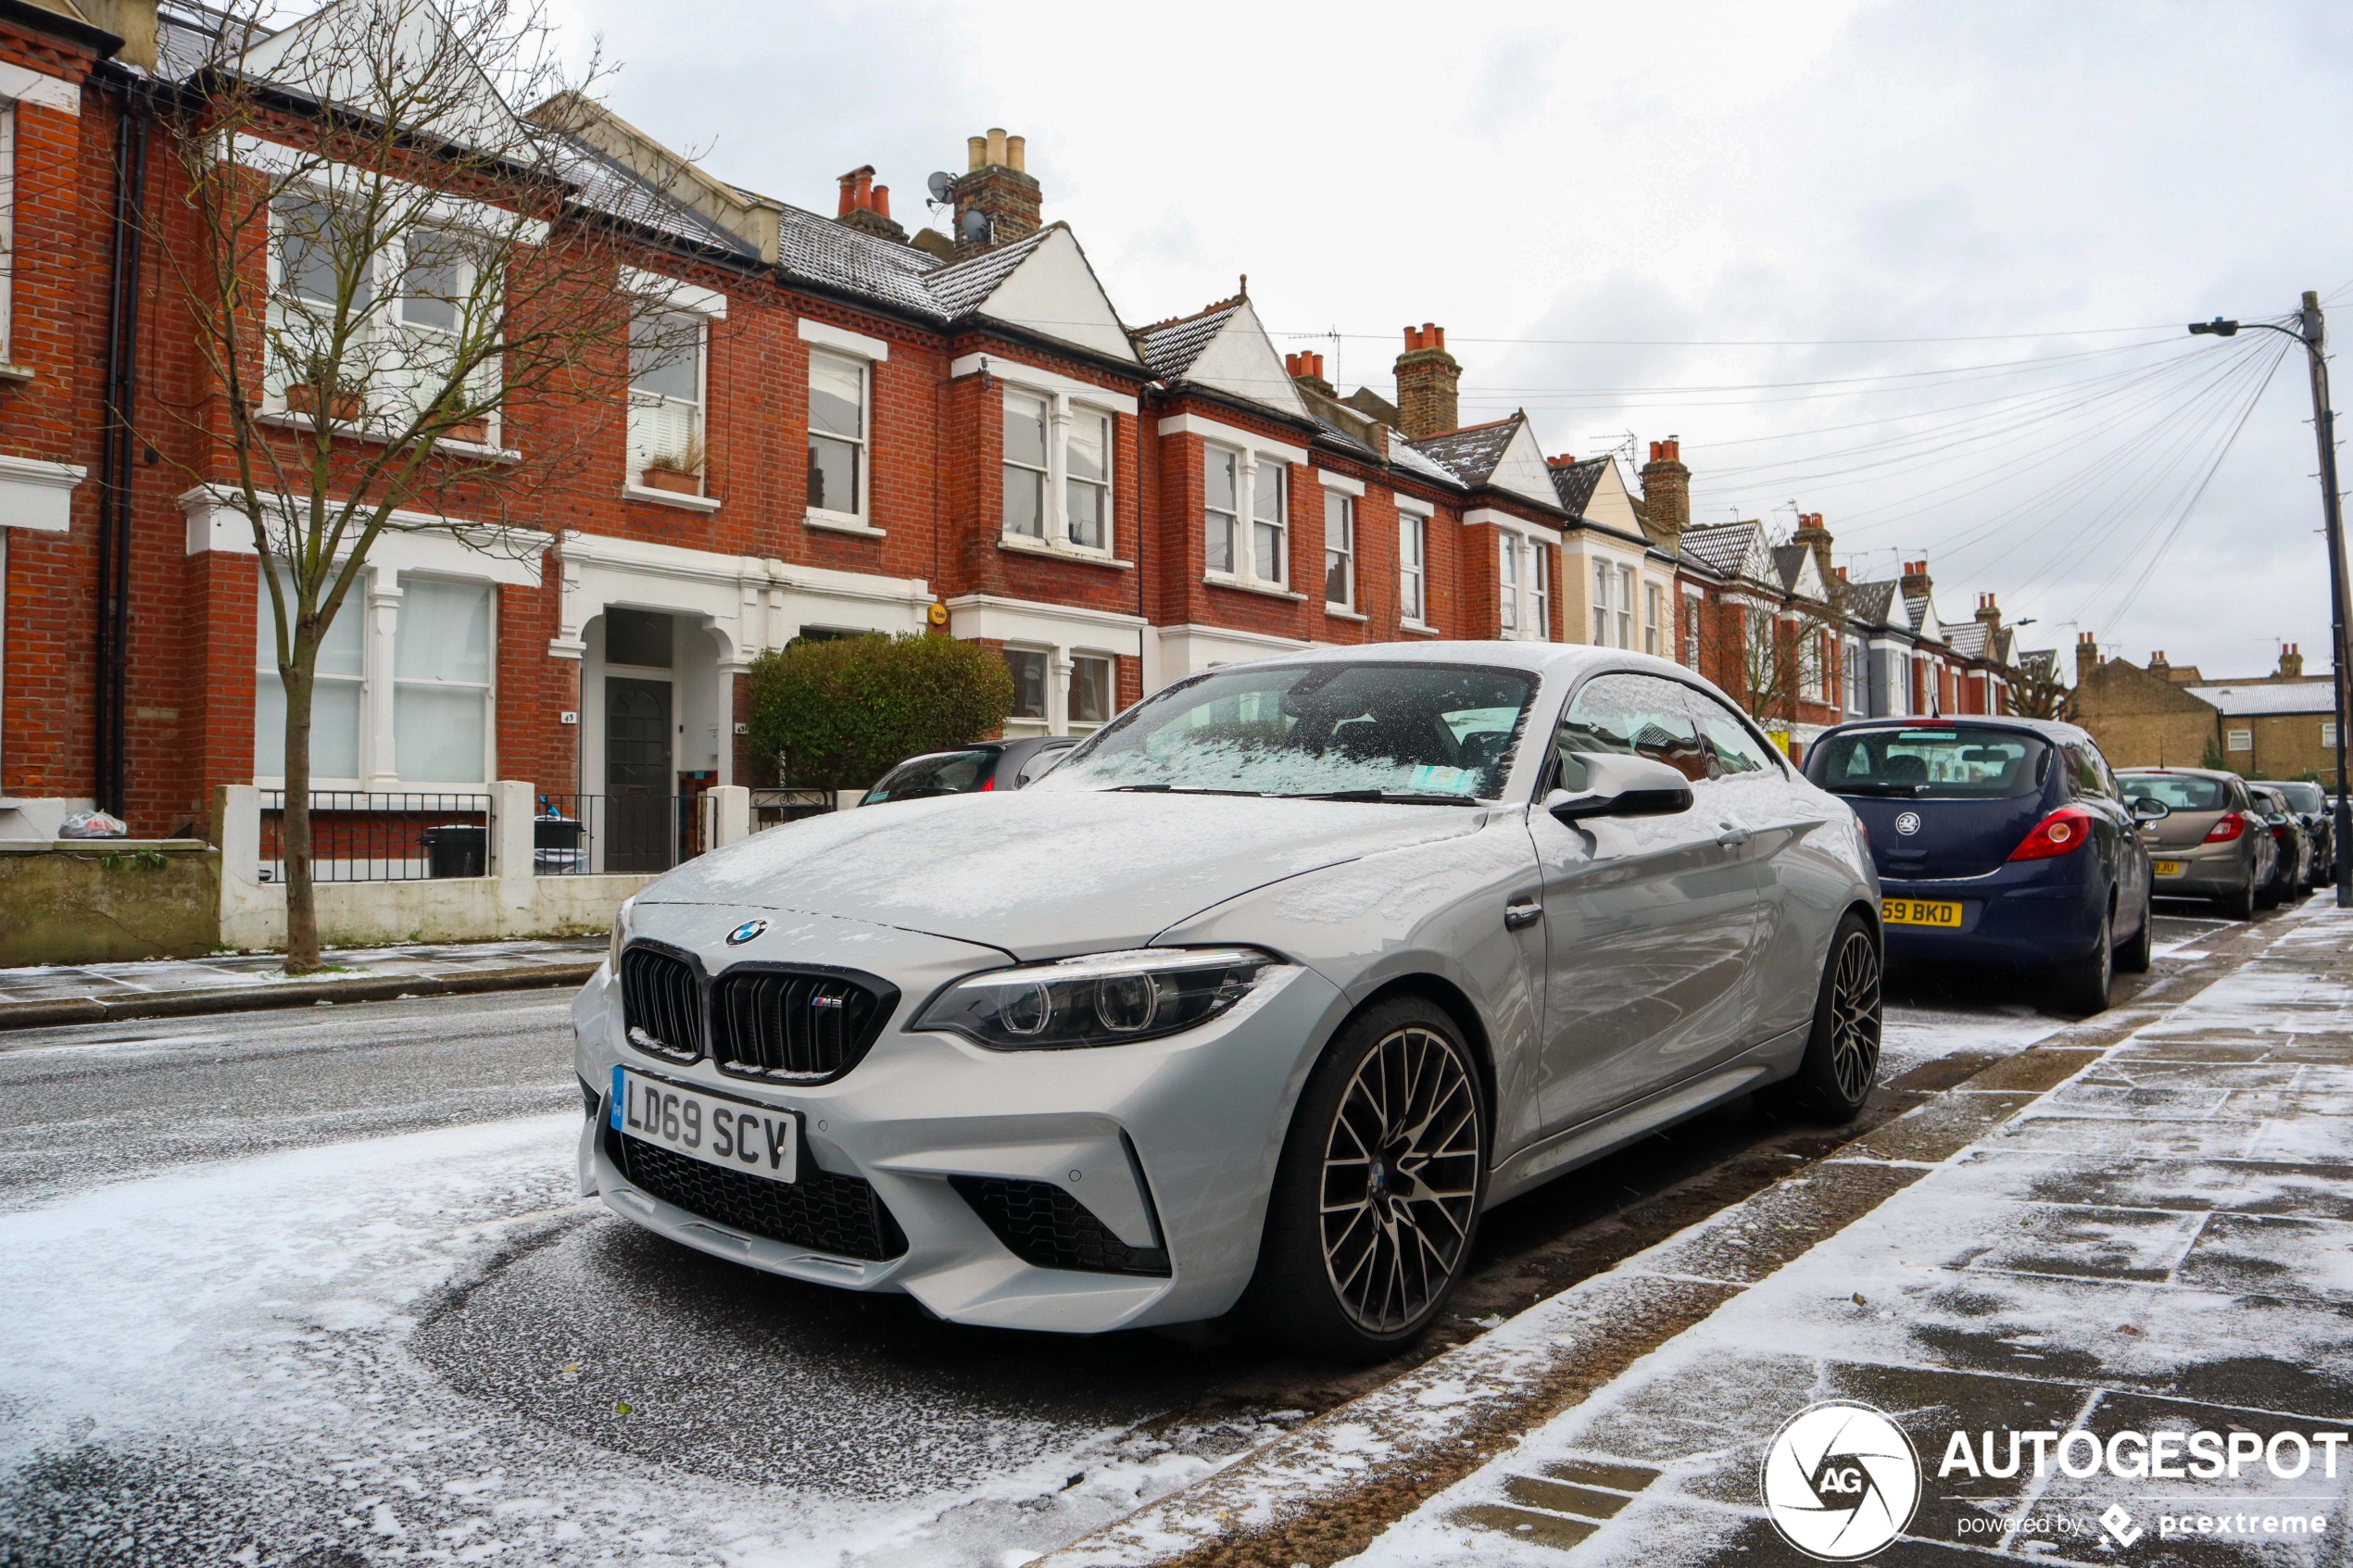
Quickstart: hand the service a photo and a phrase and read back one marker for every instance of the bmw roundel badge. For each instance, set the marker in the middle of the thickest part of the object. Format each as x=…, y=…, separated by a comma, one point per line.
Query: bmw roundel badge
x=1907, y=824
x=746, y=932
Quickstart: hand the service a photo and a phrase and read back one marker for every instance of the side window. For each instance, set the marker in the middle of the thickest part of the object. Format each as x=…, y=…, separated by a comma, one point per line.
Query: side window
x=1731, y=744
x=1039, y=762
x=1631, y=716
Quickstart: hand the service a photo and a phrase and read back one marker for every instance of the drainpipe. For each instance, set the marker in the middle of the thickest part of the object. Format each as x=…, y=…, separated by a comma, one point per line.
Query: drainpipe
x=115, y=454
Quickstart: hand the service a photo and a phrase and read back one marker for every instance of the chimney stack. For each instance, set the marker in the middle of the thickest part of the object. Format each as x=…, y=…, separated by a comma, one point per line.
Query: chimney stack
x=1815, y=537
x=2159, y=666
x=1990, y=613
x=1426, y=378
x=2291, y=662
x=1666, y=505
x=865, y=206
x=999, y=188
x=2087, y=656
x=1308, y=366
x=1916, y=582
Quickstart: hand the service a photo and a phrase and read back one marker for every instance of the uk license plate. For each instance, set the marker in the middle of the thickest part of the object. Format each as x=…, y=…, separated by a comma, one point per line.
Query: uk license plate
x=732, y=1133
x=1936, y=913
x=2169, y=868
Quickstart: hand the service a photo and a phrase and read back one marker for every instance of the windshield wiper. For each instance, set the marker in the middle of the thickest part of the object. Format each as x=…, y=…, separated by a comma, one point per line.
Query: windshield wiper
x=1173, y=789
x=1404, y=797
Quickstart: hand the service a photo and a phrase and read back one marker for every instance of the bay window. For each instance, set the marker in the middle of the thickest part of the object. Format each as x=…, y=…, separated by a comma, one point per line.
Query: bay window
x=836, y=436
x=1270, y=526
x=666, y=378
x=1087, y=479
x=335, y=691
x=1339, y=550
x=1091, y=691
x=1221, y=506
x=1413, y=568
x=1024, y=464
x=441, y=681
x=1027, y=667
x=1509, y=544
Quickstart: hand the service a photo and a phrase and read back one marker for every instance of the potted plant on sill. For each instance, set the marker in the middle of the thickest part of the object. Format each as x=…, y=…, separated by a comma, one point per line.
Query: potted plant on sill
x=680, y=473
x=345, y=405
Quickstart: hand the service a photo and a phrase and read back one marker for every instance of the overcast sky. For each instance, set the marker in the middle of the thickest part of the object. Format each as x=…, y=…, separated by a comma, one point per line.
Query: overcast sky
x=1730, y=197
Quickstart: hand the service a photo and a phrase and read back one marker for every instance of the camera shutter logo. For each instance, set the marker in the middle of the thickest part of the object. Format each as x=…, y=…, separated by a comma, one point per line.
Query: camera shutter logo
x=1908, y=823
x=746, y=932
x=1840, y=1481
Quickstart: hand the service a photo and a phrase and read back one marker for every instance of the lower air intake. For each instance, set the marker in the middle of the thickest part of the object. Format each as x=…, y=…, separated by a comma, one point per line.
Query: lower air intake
x=824, y=1211
x=1044, y=1226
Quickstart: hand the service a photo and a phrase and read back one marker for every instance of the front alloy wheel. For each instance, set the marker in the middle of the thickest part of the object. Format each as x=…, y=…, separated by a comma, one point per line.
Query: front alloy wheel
x=1374, y=1207
x=1400, y=1180
x=1841, y=1063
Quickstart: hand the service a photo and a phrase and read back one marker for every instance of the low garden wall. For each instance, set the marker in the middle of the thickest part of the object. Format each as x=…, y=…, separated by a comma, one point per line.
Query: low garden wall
x=108, y=901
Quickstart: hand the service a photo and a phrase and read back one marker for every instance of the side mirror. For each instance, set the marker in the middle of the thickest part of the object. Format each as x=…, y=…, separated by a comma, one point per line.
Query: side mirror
x=2148, y=808
x=1622, y=786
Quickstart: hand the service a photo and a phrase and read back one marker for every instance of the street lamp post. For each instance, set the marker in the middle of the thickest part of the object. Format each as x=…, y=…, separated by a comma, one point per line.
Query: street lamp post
x=2311, y=330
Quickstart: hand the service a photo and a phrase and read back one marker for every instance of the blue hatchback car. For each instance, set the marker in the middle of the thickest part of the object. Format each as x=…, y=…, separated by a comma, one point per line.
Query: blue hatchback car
x=1999, y=841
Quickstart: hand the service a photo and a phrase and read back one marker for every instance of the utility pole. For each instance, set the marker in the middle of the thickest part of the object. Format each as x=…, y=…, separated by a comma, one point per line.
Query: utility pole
x=2311, y=330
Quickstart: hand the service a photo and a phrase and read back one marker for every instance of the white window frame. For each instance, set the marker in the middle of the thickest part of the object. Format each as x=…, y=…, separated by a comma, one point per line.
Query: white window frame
x=2238, y=740
x=1339, y=508
x=1021, y=725
x=1540, y=588
x=1072, y=723
x=1507, y=546
x=1624, y=608
x=1605, y=576
x=1043, y=467
x=633, y=482
x=376, y=601
x=1063, y=409
x=1413, y=567
x=1689, y=640
x=2328, y=732
x=8, y=233
x=861, y=442
x=1251, y=460
x=1256, y=467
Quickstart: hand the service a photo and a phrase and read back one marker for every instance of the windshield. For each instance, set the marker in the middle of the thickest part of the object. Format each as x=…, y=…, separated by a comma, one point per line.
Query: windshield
x=1959, y=760
x=944, y=772
x=2301, y=797
x=1410, y=731
x=2183, y=792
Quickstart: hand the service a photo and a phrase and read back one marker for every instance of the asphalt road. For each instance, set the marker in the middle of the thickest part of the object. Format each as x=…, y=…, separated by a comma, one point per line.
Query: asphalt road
x=585, y=1315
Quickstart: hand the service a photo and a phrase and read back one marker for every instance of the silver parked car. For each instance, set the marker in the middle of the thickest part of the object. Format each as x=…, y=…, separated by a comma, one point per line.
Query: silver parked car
x=1263, y=995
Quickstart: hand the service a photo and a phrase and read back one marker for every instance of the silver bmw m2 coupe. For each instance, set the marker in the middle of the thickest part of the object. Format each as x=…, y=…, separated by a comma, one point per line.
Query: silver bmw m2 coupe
x=1259, y=1000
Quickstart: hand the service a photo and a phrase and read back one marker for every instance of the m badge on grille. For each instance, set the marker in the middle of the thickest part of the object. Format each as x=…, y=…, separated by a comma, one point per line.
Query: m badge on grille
x=746, y=932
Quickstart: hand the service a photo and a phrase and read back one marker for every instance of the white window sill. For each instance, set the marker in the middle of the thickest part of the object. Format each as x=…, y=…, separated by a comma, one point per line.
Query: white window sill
x=1341, y=612
x=841, y=522
x=285, y=418
x=671, y=498
x=1419, y=629
x=16, y=372
x=1271, y=590
x=1021, y=544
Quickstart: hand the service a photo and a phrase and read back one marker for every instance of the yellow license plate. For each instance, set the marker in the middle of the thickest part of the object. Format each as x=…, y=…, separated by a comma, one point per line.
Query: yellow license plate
x=2169, y=868
x=1922, y=911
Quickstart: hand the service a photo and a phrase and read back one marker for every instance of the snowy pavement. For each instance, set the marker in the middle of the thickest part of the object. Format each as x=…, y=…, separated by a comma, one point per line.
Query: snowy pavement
x=2164, y=1241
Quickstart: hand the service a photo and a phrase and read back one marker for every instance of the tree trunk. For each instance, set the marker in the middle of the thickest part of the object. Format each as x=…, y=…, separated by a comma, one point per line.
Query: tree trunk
x=294, y=833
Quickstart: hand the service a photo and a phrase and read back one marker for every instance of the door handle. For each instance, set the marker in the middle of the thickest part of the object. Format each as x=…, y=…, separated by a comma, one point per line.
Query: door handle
x=1520, y=917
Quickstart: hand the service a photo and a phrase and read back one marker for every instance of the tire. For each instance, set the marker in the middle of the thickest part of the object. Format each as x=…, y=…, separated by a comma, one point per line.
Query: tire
x=1355, y=1264
x=2135, y=956
x=1834, y=1079
x=2268, y=896
x=2083, y=985
x=2241, y=904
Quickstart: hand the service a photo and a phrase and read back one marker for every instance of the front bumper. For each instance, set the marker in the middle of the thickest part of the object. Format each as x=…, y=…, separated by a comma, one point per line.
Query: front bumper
x=2037, y=913
x=1169, y=1145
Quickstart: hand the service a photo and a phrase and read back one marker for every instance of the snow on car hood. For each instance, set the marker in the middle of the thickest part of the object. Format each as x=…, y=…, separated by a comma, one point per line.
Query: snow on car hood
x=1042, y=873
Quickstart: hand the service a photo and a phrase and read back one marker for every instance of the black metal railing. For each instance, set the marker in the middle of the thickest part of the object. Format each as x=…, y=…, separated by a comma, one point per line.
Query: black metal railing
x=772, y=808
x=590, y=835
x=361, y=835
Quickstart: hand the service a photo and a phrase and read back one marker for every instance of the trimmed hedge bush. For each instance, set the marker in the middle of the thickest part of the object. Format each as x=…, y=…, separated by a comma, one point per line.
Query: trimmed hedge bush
x=842, y=712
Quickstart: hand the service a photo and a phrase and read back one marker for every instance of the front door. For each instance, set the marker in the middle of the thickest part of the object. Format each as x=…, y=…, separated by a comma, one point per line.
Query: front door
x=1649, y=922
x=639, y=828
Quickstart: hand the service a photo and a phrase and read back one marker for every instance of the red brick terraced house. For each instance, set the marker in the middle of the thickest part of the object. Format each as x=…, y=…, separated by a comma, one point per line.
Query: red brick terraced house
x=895, y=434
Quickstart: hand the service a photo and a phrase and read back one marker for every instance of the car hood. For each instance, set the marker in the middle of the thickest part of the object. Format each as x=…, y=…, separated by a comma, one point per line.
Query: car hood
x=1042, y=873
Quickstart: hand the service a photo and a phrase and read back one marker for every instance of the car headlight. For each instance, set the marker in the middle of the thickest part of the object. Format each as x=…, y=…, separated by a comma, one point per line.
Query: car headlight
x=1101, y=1000
x=621, y=926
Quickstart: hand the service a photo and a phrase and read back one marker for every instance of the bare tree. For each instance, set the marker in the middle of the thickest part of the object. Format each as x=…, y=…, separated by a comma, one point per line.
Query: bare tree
x=1781, y=653
x=412, y=300
x=2036, y=691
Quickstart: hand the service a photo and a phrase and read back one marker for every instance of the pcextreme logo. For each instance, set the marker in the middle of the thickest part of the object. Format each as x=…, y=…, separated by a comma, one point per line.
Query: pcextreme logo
x=1840, y=1481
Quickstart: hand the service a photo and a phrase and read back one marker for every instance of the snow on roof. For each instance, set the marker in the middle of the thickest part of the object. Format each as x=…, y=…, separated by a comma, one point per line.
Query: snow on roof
x=2285, y=696
x=1871, y=602
x=1967, y=639
x=1171, y=346
x=963, y=287
x=1719, y=546
x=1576, y=482
x=1405, y=455
x=1471, y=453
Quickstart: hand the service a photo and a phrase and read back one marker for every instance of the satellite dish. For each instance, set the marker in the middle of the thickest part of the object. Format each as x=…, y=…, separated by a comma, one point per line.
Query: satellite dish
x=972, y=227
x=941, y=185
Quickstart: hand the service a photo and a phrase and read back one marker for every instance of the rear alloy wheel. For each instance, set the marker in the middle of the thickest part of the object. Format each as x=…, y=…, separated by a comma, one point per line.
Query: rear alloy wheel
x=1377, y=1199
x=2083, y=988
x=2241, y=904
x=1841, y=1054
